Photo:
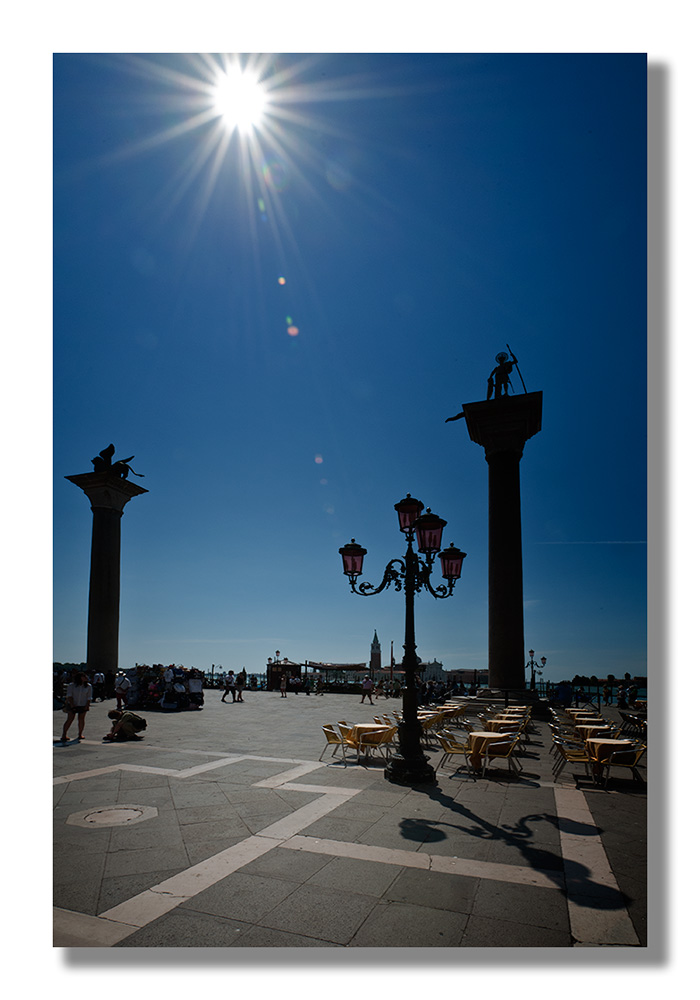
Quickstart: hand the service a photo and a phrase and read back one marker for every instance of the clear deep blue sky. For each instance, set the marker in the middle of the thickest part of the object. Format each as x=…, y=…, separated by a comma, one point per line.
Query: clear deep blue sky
x=424, y=211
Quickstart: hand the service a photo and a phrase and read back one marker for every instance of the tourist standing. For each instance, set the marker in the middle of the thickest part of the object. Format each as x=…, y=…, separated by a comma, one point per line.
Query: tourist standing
x=98, y=685
x=78, y=698
x=283, y=686
x=122, y=685
x=367, y=690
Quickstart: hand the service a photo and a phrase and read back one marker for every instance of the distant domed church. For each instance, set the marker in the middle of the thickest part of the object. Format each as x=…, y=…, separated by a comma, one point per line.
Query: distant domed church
x=375, y=656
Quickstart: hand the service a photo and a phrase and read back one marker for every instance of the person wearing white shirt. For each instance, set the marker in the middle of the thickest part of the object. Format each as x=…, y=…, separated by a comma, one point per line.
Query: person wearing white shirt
x=78, y=698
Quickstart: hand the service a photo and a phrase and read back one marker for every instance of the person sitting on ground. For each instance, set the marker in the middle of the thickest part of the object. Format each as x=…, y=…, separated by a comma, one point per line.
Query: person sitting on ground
x=125, y=726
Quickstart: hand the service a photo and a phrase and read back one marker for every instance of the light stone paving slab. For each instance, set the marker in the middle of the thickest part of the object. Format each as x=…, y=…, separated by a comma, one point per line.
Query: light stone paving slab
x=608, y=924
x=75, y=930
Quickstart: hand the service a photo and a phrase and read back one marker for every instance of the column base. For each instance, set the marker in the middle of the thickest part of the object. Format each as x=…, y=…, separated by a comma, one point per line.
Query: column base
x=410, y=771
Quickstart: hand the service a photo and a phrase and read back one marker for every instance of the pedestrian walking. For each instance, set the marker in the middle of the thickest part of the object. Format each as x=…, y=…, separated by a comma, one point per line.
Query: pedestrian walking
x=78, y=698
x=240, y=684
x=229, y=683
x=367, y=690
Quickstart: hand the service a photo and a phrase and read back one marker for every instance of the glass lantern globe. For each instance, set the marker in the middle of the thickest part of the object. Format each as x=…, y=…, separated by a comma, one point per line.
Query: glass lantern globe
x=429, y=532
x=408, y=510
x=352, y=554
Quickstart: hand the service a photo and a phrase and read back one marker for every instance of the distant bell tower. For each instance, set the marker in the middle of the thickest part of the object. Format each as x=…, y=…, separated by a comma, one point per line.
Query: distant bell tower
x=375, y=656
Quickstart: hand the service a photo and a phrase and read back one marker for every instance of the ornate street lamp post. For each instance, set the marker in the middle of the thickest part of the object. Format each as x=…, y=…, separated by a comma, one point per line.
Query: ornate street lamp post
x=535, y=668
x=410, y=765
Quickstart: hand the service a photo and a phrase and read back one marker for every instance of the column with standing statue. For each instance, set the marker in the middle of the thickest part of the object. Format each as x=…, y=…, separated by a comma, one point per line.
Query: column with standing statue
x=502, y=424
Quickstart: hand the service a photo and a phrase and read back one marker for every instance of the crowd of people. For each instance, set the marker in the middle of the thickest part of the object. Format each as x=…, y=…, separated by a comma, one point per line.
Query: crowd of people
x=169, y=688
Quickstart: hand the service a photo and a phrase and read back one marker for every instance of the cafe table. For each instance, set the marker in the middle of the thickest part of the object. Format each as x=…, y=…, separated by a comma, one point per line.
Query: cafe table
x=598, y=729
x=501, y=725
x=478, y=742
x=600, y=750
x=362, y=729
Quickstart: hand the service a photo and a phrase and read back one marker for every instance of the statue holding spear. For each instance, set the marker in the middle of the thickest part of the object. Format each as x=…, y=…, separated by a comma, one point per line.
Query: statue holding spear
x=499, y=379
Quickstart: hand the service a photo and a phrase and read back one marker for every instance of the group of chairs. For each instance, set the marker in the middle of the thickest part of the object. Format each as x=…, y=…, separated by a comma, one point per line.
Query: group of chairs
x=344, y=736
x=514, y=736
x=569, y=747
x=498, y=750
x=634, y=725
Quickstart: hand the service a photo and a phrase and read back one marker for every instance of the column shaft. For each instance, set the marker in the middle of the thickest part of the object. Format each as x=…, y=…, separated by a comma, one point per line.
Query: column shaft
x=103, y=603
x=506, y=626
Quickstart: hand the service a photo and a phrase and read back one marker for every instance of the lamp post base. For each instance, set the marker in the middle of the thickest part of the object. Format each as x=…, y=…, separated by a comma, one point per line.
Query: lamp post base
x=410, y=771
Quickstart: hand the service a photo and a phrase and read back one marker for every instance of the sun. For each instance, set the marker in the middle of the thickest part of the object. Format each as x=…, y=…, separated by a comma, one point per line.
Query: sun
x=240, y=100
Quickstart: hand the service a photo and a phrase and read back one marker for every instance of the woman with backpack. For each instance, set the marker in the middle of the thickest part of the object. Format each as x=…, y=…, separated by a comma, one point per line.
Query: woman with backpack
x=125, y=726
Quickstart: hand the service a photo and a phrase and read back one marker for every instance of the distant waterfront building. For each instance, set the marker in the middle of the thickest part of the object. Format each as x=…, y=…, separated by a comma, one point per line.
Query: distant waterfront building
x=476, y=677
x=432, y=671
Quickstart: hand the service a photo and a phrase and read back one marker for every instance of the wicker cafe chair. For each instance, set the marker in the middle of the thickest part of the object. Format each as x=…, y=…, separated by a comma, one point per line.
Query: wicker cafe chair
x=377, y=742
x=568, y=753
x=348, y=741
x=334, y=740
x=625, y=758
x=458, y=717
x=428, y=725
x=501, y=751
x=451, y=747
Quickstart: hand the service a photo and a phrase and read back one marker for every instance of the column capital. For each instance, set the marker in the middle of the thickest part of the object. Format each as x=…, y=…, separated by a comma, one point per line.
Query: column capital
x=106, y=490
x=505, y=424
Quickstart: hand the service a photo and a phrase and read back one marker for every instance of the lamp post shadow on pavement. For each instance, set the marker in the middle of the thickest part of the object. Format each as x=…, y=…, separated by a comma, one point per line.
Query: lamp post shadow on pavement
x=409, y=765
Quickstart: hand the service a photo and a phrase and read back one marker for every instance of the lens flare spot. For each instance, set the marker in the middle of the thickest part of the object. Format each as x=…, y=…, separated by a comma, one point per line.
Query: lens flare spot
x=281, y=280
x=261, y=204
x=319, y=460
x=275, y=175
x=293, y=331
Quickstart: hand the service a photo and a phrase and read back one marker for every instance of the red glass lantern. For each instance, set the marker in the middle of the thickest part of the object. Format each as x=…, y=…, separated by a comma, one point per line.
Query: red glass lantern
x=408, y=510
x=352, y=554
x=429, y=532
x=452, y=560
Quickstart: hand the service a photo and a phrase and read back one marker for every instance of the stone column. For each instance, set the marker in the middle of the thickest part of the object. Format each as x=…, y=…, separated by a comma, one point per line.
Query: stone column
x=502, y=426
x=108, y=495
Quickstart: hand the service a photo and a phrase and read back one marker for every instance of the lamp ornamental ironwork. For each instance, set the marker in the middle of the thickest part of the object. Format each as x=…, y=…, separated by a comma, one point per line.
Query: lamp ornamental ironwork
x=412, y=574
x=535, y=668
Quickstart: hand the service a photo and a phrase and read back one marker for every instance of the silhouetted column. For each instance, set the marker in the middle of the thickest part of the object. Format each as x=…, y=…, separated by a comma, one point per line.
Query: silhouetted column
x=502, y=426
x=108, y=495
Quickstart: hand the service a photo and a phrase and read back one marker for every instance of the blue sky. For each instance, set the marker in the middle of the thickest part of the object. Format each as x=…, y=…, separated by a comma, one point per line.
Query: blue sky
x=424, y=210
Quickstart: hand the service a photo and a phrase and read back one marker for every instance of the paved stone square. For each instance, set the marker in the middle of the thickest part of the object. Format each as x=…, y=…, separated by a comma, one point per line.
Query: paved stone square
x=222, y=828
